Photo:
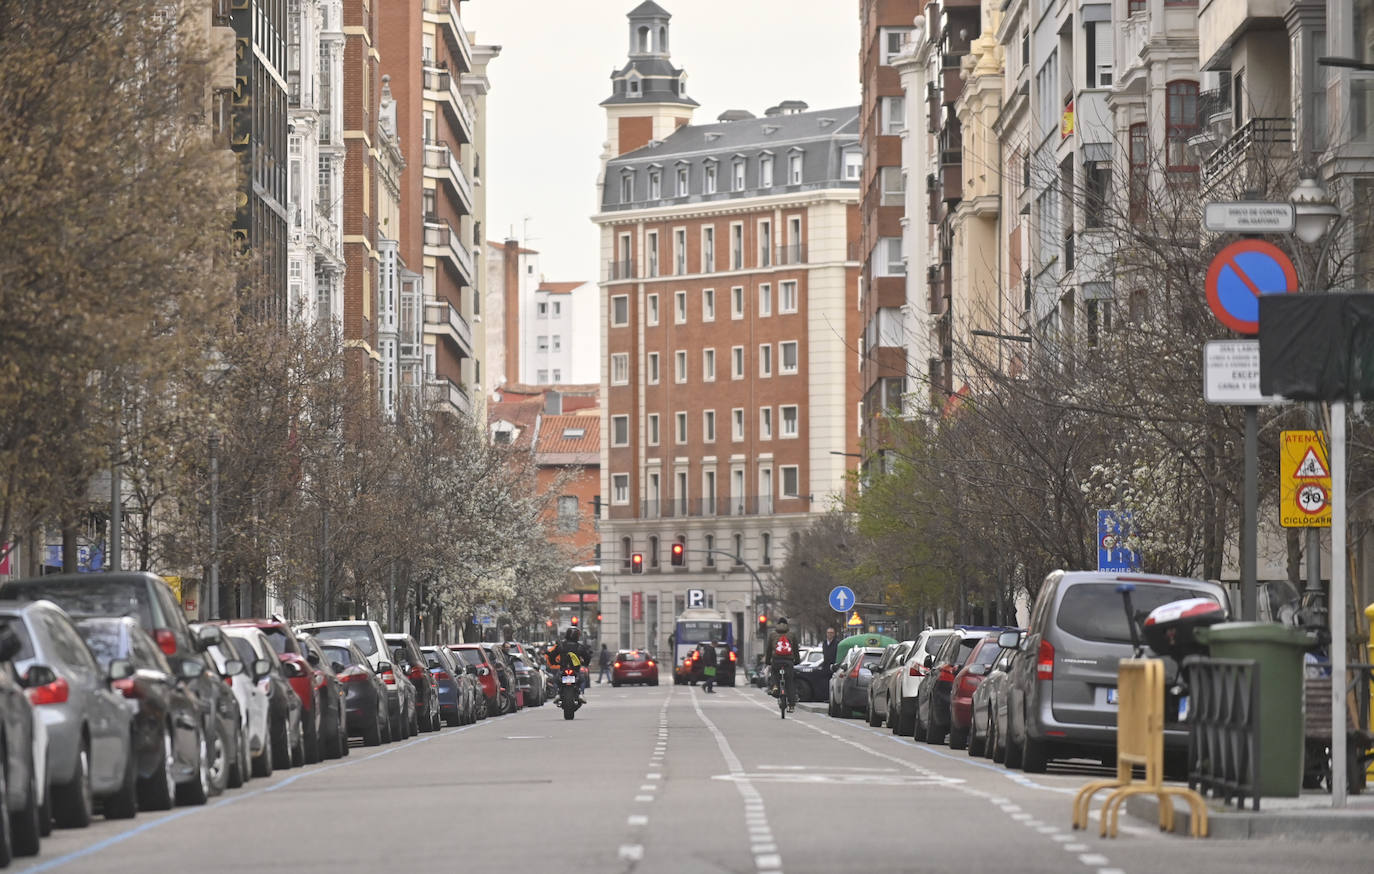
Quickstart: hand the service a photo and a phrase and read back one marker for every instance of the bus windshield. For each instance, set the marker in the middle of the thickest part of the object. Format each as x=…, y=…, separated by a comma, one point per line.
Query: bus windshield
x=701, y=632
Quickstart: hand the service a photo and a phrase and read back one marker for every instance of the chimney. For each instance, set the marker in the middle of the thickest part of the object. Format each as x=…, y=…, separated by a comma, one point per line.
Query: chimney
x=730, y=115
x=553, y=403
x=792, y=107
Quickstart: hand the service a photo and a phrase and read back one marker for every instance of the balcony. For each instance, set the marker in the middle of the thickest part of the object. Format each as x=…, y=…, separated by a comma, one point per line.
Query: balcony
x=1257, y=136
x=1220, y=25
x=792, y=253
x=749, y=505
x=621, y=270
x=951, y=176
x=952, y=86
x=443, y=318
x=441, y=86
x=1135, y=36
x=445, y=12
x=443, y=392
x=439, y=157
x=442, y=241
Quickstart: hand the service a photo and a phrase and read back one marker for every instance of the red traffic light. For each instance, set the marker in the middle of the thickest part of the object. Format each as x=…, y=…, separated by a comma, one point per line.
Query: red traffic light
x=637, y=563
x=677, y=554
x=574, y=620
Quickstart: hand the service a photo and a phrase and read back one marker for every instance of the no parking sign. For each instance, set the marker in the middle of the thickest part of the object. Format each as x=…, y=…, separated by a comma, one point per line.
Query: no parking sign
x=1239, y=274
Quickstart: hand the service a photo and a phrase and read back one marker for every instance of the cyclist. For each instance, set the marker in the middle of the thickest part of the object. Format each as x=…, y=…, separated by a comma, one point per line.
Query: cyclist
x=781, y=652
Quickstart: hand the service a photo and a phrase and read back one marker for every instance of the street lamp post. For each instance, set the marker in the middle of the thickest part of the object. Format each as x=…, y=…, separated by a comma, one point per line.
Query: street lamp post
x=1317, y=217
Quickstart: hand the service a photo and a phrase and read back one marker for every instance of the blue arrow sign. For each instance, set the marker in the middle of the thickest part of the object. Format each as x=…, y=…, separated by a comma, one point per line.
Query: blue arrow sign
x=841, y=599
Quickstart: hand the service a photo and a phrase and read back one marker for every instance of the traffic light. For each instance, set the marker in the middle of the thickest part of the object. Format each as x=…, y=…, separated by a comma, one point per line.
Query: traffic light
x=637, y=563
x=678, y=558
x=574, y=621
x=763, y=625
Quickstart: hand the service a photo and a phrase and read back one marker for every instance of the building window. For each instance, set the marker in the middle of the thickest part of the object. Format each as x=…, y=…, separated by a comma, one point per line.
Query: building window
x=708, y=304
x=893, y=114
x=737, y=424
x=620, y=310
x=1097, y=184
x=853, y=164
x=652, y=421
x=541, y=310
x=708, y=365
x=680, y=251
x=680, y=433
x=680, y=366
x=736, y=247
x=680, y=307
x=765, y=300
x=887, y=257
x=765, y=548
x=556, y=343
x=892, y=40
x=710, y=178
x=765, y=171
x=708, y=493
x=627, y=188
x=557, y=375
x=737, y=302
x=708, y=426
x=710, y=541
x=765, y=360
x=787, y=296
x=651, y=245
x=737, y=177
x=1139, y=174
x=682, y=181
x=787, y=353
x=794, y=168
x=652, y=316
x=655, y=185
x=893, y=186
x=789, y=420
x=653, y=551
x=765, y=243
x=541, y=343
x=620, y=368
x=653, y=368
x=1181, y=102
x=708, y=250
x=791, y=487
x=541, y=377
x=765, y=423
x=620, y=489
x=1098, y=50
x=626, y=550
x=739, y=550
x=737, y=362
x=620, y=430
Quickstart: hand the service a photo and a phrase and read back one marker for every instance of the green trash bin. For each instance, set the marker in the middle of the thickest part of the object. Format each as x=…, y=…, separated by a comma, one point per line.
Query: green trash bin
x=1278, y=650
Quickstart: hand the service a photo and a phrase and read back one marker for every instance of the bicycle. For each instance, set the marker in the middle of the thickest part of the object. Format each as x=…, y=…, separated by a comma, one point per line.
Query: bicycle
x=783, y=690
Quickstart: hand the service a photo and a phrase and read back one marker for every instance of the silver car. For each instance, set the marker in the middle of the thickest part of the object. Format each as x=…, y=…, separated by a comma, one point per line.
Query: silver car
x=887, y=673
x=90, y=739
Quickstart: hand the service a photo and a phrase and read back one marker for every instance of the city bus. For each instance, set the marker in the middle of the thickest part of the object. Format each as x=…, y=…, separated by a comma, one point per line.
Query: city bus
x=697, y=625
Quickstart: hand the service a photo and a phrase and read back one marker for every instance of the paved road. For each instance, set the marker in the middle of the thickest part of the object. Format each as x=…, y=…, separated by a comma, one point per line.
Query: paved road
x=664, y=779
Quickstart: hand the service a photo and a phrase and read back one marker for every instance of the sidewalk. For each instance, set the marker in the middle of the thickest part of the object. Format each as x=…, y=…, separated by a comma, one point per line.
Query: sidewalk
x=1309, y=817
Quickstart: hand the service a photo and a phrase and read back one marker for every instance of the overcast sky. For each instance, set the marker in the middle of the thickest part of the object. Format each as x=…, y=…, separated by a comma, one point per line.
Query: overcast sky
x=545, y=127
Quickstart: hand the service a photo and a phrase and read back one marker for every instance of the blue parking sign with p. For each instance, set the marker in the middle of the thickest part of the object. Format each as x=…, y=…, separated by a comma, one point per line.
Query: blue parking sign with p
x=1113, y=529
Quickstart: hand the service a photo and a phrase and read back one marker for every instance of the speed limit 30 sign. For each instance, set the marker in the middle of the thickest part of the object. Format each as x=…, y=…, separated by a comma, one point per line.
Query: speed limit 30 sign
x=1304, y=481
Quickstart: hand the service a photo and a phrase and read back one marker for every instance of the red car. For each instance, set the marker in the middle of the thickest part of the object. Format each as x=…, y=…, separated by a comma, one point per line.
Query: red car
x=475, y=654
x=633, y=666
x=318, y=716
x=979, y=662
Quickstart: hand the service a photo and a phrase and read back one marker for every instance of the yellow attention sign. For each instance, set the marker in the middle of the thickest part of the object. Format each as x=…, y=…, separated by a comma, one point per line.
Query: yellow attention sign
x=175, y=583
x=855, y=620
x=1304, y=481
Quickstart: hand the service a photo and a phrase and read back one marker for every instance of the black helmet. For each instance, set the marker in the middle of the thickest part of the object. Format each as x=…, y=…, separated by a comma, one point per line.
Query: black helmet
x=781, y=620
x=571, y=635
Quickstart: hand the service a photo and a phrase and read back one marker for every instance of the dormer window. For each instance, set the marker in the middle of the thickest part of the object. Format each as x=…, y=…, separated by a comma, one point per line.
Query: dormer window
x=682, y=85
x=627, y=187
x=794, y=168
x=682, y=179
x=765, y=170
x=633, y=84
x=737, y=179
x=710, y=187
x=655, y=185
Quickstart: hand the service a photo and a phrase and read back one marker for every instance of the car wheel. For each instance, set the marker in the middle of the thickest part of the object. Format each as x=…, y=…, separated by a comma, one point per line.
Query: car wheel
x=197, y=790
x=159, y=790
x=298, y=751
x=238, y=769
x=281, y=746
x=1012, y=757
x=45, y=810
x=310, y=734
x=977, y=743
x=997, y=748
x=1034, y=755
x=934, y=734
x=262, y=765
x=918, y=725
x=958, y=738
x=221, y=763
x=25, y=826
x=874, y=720
x=6, y=837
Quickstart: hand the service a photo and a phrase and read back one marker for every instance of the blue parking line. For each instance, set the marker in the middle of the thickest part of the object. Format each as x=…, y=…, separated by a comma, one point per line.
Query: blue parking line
x=111, y=841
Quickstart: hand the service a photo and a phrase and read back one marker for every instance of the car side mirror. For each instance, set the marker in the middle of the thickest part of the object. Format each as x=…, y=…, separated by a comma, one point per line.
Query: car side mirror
x=120, y=669
x=977, y=670
x=207, y=636
x=312, y=658
x=1009, y=639
x=382, y=667
x=261, y=668
x=39, y=675
x=471, y=669
x=335, y=667
x=190, y=669
x=930, y=661
x=232, y=667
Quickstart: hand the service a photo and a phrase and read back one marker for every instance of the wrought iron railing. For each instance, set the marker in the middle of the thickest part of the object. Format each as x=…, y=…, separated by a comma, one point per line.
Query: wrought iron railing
x=1224, y=729
x=1254, y=134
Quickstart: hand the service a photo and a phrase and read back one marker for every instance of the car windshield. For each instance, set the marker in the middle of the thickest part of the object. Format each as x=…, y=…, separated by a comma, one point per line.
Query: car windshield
x=987, y=654
x=104, y=640
x=471, y=656
x=872, y=658
x=1094, y=611
x=80, y=599
x=281, y=640
x=244, y=648
x=359, y=634
x=15, y=624
x=935, y=641
x=337, y=654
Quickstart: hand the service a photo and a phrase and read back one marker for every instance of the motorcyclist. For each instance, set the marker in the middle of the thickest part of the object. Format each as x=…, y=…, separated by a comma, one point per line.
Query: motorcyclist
x=572, y=654
x=782, y=654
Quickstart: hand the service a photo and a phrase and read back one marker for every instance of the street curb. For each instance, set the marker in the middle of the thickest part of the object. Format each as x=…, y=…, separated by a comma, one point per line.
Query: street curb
x=1229, y=824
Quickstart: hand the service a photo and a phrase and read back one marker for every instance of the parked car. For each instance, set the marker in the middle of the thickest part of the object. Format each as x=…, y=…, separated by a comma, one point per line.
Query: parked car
x=455, y=705
x=90, y=742
x=913, y=671
x=169, y=731
x=23, y=782
x=633, y=666
x=849, y=682
x=813, y=682
x=365, y=695
x=367, y=634
x=529, y=680
x=251, y=698
x=317, y=713
x=881, y=682
x=966, y=681
x=412, y=663
x=330, y=697
x=496, y=656
x=990, y=701
x=474, y=657
x=285, y=747
x=932, y=696
x=1062, y=701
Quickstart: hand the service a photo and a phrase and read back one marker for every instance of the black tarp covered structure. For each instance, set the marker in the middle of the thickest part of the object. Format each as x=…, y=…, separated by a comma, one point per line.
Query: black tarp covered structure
x=1317, y=347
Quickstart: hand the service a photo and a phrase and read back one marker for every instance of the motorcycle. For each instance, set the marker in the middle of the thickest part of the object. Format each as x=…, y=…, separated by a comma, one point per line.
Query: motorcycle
x=569, y=692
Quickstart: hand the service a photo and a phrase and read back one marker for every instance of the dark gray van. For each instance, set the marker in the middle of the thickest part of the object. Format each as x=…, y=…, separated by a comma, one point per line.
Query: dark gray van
x=1062, y=690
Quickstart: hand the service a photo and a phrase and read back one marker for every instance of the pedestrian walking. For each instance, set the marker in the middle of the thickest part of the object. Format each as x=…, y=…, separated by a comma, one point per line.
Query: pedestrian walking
x=829, y=650
x=708, y=665
x=603, y=661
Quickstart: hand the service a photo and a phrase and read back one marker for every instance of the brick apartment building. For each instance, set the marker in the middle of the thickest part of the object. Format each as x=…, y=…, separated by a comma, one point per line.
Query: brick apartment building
x=729, y=328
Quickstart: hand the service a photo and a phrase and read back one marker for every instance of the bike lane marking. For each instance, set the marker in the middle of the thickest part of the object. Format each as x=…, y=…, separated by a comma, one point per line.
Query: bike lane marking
x=762, y=844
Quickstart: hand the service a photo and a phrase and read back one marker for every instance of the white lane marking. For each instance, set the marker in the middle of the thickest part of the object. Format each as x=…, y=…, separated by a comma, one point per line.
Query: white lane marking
x=1063, y=839
x=1048, y=829
x=1110, y=871
x=637, y=819
x=647, y=787
x=632, y=852
x=763, y=848
x=652, y=775
x=1021, y=817
x=644, y=798
x=1092, y=860
x=1075, y=848
x=752, y=799
x=771, y=860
